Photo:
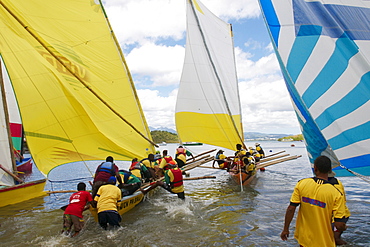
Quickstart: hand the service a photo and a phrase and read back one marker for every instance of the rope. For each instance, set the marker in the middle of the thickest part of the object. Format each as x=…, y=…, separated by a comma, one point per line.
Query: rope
x=365, y=178
x=68, y=180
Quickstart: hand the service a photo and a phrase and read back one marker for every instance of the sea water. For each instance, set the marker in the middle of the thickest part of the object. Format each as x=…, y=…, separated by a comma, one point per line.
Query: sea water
x=216, y=212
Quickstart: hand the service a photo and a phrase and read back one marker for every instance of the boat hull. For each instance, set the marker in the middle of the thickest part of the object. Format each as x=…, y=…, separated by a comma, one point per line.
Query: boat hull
x=242, y=179
x=25, y=166
x=22, y=192
x=127, y=203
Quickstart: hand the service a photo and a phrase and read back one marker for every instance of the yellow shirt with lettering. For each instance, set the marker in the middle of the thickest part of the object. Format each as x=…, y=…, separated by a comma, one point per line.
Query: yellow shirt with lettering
x=107, y=197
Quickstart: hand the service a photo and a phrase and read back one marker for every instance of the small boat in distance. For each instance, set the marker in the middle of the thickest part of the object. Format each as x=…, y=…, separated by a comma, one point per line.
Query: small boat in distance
x=192, y=144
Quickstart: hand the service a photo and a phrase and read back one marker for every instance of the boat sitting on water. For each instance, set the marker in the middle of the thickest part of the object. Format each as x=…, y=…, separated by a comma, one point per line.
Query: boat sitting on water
x=208, y=103
x=75, y=89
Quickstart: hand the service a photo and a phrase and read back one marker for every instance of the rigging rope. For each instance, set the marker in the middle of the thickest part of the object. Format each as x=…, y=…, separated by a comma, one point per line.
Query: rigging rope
x=365, y=178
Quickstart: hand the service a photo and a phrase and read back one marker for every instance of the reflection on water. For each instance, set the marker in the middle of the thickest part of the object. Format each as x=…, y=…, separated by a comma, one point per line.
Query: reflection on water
x=215, y=213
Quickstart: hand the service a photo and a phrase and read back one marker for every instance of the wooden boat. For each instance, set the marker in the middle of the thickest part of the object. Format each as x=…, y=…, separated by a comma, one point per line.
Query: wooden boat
x=323, y=51
x=126, y=204
x=25, y=166
x=12, y=188
x=76, y=87
x=129, y=202
x=242, y=178
x=21, y=192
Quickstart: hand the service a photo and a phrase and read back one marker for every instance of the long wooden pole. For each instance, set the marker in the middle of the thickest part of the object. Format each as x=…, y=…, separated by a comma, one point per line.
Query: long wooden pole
x=211, y=167
x=273, y=158
x=198, y=159
x=198, y=155
x=11, y=174
x=274, y=154
x=259, y=166
x=196, y=178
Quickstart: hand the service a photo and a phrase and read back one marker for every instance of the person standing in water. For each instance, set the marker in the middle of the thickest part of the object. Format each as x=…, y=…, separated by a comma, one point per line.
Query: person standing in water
x=319, y=202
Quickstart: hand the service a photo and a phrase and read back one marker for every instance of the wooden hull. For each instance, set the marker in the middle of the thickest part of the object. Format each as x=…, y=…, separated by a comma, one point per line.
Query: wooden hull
x=242, y=179
x=25, y=166
x=127, y=203
x=22, y=192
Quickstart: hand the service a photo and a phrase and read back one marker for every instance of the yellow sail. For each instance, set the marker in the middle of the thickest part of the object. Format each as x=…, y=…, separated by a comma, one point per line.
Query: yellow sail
x=208, y=106
x=75, y=93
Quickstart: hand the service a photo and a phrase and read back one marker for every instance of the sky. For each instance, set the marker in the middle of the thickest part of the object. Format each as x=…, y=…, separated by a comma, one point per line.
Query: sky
x=152, y=36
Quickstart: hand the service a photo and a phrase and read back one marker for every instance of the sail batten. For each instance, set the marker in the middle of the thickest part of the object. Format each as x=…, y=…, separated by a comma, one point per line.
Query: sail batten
x=323, y=51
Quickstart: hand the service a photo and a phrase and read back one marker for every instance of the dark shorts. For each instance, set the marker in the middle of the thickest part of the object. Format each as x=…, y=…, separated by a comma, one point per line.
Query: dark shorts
x=70, y=220
x=180, y=163
x=109, y=217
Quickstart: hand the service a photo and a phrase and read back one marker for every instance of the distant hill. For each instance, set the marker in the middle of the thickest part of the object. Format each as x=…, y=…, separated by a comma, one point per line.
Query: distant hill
x=247, y=135
x=263, y=136
x=163, y=129
x=160, y=136
x=292, y=138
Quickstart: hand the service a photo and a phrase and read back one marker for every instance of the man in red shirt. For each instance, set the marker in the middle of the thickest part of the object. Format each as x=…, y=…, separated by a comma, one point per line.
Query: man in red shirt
x=73, y=213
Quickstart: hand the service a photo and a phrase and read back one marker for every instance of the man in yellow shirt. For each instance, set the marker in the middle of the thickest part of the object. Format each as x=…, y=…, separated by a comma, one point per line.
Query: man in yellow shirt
x=173, y=181
x=180, y=156
x=107, y=198
x=149, y=164
x=222, y=160
x=319, y=201
x=164, y=162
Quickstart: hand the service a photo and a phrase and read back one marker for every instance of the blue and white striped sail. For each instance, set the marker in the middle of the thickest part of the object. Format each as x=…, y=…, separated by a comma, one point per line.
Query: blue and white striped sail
x=323, y=48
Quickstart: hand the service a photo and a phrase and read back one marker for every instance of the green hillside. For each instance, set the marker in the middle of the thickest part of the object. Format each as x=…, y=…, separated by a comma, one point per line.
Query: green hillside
x=160, y=136
x=292, y=138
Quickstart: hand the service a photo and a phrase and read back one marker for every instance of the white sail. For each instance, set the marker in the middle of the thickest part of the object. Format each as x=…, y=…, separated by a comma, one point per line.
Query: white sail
x=208, y=106
x=5, y=153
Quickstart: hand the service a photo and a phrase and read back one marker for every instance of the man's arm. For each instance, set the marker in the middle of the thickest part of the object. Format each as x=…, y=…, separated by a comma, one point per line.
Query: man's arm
x=341, y=226
x=289, y=214
x=118, y=176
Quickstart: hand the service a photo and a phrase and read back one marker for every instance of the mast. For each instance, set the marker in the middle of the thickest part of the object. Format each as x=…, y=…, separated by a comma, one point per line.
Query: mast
x=6, y=113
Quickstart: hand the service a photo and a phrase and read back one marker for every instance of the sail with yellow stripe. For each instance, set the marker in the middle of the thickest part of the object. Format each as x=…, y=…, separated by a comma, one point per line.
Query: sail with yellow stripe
x=75, y=93
x=208, y=105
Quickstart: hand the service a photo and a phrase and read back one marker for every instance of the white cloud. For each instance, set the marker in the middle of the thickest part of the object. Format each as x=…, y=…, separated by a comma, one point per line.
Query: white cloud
x=265, y=101
x=162, y=63
x=136, y=21
x=149, y=32
x=158, y=110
